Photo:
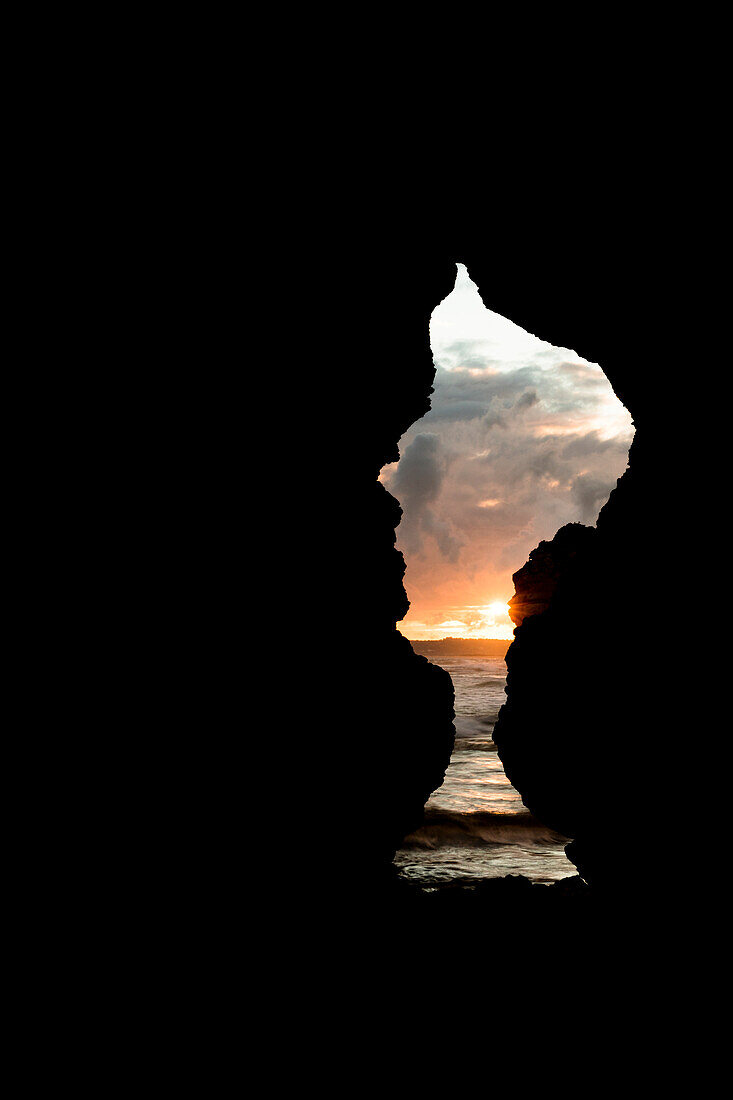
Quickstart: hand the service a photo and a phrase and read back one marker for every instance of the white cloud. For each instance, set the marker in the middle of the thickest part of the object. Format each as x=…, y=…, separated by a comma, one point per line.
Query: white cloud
x=522, y=438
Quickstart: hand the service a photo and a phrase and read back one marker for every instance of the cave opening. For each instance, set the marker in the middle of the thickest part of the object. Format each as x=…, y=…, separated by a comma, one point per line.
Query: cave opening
x=523, y=438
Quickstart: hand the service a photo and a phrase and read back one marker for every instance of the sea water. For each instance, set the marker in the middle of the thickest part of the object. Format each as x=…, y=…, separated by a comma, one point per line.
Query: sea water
x=476, y=826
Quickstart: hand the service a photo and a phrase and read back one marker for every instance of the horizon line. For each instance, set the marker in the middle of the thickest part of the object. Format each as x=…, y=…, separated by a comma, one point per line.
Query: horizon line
x=457, y=638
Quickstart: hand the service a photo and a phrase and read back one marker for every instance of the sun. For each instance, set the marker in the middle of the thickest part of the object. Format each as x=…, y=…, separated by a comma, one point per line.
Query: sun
x=497, y=610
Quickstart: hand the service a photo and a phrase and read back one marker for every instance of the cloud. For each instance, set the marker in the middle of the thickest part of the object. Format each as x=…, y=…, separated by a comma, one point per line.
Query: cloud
x=466, y=393
x=420, y=472
x=591, y=443
x=591, y=493
x=449, y=544
x=521, y=439
x=526, y=401
x=416, y=484
x=496, y=419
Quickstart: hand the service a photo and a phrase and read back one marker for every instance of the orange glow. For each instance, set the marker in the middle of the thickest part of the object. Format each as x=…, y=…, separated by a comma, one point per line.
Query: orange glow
x=490, y=620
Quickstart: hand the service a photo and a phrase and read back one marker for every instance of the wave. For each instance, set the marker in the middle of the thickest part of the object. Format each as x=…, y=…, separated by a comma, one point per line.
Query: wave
x=469, y=725
x=470, y=744
x=444, y=828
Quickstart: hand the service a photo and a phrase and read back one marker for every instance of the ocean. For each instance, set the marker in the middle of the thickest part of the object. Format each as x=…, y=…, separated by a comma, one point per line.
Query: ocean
x=476, y=826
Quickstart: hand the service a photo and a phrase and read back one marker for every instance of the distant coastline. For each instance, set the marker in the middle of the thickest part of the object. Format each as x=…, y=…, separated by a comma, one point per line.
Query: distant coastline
x=464, y=647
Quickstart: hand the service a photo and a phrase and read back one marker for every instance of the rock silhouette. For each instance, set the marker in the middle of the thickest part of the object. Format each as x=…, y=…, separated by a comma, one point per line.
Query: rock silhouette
x=385, y=713
x=535, y=583
x=589, y=669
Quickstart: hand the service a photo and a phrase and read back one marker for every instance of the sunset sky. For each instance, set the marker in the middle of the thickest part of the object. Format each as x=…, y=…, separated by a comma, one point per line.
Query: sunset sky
x=522, y=438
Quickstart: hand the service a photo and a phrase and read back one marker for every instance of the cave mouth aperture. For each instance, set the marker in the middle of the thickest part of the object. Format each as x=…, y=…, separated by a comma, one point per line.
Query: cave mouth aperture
x=522, y=439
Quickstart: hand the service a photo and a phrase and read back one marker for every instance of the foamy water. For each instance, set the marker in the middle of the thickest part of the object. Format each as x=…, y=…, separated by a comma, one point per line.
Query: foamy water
x=476, y=826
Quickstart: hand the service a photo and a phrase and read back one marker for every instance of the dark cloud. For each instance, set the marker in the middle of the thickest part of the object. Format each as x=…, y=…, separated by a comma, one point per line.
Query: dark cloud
x=527, y=400
x=420, y=472
x=416, y=484
x=449, y=544
x=590, y=443
x=591, y=493
x=466, y=395
x=455, y=409
x=495, y=419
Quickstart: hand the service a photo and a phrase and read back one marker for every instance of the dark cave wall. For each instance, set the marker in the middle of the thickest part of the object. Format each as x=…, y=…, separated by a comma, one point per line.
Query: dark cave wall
x=589, y=729
x=575, y=735
x=390, y=715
